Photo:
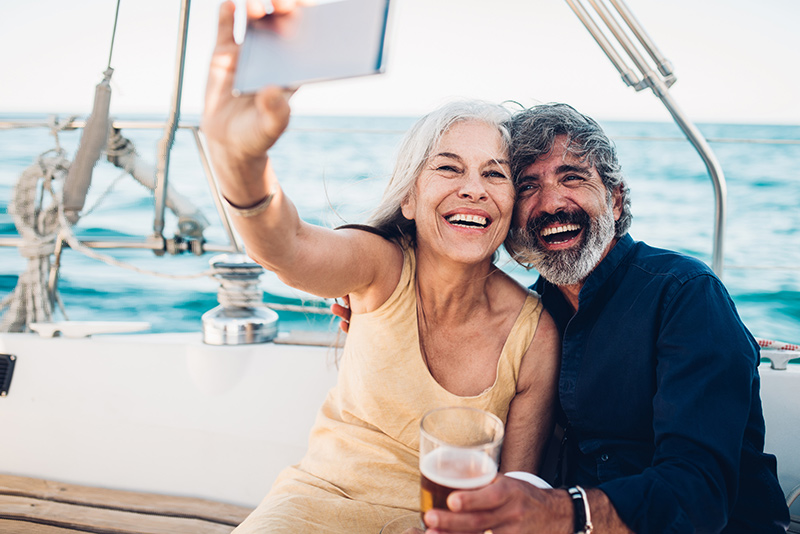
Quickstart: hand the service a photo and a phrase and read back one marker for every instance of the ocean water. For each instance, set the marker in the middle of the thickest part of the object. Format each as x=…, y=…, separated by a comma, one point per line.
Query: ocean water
x=335, y=169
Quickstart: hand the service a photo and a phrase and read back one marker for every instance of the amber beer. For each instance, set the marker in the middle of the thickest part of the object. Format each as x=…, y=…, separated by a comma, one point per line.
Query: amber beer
x=447, y=469
x=459, y=449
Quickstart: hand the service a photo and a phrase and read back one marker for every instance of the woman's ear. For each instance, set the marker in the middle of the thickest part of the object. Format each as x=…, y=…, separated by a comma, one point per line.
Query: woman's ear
x=409, y=206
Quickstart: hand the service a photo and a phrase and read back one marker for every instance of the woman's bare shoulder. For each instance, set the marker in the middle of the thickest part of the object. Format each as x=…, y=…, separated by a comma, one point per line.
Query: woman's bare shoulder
x=385, y=258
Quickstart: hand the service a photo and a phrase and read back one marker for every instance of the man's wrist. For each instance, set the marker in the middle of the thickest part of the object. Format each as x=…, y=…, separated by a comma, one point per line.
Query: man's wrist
x=582, y=513
x=562, y=512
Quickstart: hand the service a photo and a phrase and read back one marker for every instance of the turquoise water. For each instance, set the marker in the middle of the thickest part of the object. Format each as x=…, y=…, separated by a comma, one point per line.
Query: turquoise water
x=335, y=168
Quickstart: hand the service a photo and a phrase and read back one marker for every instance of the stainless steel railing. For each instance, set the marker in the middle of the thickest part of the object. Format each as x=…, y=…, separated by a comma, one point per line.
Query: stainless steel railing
x=620, y=35
x=610, y=22
x=165, y=145
x=156, y=243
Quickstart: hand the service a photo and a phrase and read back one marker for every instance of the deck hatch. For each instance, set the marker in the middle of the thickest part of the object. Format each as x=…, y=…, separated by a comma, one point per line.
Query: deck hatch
x=6, y=372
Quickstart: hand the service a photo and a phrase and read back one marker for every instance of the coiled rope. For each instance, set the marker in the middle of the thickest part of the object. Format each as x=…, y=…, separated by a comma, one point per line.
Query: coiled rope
x=37, y=209
x=35, y=213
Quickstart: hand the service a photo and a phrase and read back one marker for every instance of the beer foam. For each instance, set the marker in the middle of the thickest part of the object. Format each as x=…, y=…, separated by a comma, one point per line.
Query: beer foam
x=458, y=468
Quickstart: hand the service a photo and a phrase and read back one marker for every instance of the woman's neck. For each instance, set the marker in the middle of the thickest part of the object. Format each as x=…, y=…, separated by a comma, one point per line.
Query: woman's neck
x=448, y=290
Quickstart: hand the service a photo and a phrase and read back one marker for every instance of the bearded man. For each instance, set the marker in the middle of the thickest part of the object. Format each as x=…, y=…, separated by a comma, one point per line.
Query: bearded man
x=659, y=386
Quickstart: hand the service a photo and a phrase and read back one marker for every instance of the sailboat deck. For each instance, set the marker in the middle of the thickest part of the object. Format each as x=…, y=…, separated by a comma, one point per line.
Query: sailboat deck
x=36, y=506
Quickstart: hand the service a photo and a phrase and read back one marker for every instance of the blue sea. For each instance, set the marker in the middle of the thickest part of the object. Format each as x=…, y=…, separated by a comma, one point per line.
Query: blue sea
x=335, y=169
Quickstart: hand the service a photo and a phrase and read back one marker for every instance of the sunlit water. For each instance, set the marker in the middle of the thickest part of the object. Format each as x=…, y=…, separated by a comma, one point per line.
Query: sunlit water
x=335, y=169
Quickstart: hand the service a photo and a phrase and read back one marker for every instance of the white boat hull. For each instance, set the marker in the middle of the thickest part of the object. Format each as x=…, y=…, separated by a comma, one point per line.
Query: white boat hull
x=162, y=413
x=165, y=413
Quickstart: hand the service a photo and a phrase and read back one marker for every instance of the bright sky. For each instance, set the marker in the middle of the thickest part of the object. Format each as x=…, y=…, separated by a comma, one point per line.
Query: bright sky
x=736, y=60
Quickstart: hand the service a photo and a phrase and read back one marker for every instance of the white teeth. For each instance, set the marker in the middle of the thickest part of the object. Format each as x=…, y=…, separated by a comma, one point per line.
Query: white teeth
x=471, y=220
x=559, y=229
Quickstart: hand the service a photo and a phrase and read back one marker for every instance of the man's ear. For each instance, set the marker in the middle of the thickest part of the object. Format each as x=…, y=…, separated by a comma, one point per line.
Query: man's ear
x=409, y=206
x=616, y=200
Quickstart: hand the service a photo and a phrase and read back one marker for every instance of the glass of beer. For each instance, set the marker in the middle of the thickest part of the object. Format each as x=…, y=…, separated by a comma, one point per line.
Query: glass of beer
x=459, y=448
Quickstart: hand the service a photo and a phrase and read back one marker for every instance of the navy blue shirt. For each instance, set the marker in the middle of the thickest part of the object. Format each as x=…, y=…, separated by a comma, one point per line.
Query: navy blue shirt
x=660, y=389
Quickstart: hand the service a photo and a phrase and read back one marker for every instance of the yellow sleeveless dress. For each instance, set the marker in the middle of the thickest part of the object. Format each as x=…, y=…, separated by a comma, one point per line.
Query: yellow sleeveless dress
x=362, y=465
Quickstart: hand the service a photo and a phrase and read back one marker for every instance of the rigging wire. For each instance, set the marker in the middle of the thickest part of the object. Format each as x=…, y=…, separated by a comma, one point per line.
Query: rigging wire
x=113, y=34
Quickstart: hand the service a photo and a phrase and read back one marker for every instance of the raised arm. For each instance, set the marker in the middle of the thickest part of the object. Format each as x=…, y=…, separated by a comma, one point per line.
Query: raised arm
x=240, y=130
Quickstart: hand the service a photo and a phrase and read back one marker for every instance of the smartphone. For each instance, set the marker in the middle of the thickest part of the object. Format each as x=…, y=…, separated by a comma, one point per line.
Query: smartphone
x=328, y=41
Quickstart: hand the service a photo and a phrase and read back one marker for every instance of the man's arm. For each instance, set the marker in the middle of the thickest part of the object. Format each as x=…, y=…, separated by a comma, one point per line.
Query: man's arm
x=342, y=311
x=705, y=373
x=531, y=414
x=706, y=365
x=517, y=507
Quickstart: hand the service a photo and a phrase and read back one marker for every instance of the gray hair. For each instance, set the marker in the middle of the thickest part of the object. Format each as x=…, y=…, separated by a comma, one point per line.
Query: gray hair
x=534, y=132
x=387, y=219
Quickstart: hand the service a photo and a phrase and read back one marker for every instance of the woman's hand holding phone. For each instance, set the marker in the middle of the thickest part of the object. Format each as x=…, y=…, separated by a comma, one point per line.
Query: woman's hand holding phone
x=240, y=128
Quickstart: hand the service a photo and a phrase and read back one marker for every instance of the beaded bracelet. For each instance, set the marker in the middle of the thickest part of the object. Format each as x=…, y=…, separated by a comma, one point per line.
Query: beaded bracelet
x=583, y=516
x=250, y=211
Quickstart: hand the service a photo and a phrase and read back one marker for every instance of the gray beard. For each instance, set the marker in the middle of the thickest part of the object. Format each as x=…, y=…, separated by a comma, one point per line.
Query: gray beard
x=569, y=266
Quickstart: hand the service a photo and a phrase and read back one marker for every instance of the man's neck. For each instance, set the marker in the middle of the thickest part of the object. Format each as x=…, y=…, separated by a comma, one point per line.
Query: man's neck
x=571, y=294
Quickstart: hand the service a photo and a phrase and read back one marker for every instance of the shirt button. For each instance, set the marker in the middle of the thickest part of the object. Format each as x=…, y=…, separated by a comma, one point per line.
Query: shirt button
x=603, y=457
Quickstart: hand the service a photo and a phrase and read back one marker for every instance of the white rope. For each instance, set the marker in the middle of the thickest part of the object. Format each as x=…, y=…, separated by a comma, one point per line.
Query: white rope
x=793, y=495
x=69, y=236
x=237, y=294
x=299, y=308
x=31, y=300
x=39, y=227
x=75, y=244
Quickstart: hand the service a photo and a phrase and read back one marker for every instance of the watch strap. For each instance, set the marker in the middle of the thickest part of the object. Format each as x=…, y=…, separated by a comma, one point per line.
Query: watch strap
x=582, y=514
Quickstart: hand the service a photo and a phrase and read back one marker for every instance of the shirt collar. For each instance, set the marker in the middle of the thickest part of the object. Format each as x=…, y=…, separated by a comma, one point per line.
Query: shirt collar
x=606, y=267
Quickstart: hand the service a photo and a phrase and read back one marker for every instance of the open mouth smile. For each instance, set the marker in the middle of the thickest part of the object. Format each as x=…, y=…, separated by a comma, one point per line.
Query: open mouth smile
x=467, y=221
x=556, y=235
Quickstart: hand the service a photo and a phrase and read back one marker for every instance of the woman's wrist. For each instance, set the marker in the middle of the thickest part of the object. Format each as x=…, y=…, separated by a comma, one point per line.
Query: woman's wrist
x=244, y=183
x=250, y=210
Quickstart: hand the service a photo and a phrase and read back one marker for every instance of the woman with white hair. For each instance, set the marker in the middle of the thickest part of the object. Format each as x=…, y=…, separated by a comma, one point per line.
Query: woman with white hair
x=434, y=322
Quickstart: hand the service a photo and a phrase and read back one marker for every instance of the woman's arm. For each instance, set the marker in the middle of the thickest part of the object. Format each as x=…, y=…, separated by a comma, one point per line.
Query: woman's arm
x=240, y=130
x=532, y=412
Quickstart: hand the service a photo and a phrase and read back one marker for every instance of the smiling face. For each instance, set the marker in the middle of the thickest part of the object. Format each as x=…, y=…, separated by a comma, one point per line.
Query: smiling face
x=463, y=199
x=564, y=219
